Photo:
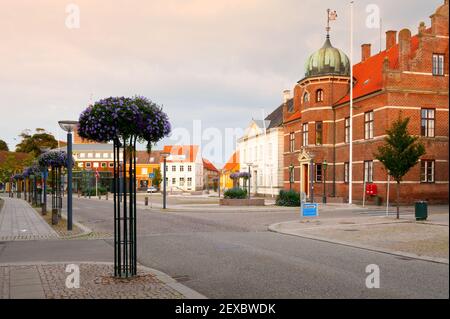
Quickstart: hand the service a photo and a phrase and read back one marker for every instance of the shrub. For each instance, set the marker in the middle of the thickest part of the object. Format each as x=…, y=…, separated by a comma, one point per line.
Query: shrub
x=101, y=191
x=236, y=193
x=288, y=198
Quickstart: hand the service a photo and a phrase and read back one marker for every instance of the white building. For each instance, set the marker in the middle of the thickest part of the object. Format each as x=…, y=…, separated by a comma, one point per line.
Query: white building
x=184, y=170
x=261, y=148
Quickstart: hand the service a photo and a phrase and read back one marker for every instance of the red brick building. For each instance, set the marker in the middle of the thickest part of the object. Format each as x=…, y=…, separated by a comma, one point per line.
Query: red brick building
x=410, y=77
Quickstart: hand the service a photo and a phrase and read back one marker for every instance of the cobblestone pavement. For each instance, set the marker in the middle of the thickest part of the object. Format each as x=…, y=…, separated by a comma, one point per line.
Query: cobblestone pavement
x=19, y=221
x=96, y=282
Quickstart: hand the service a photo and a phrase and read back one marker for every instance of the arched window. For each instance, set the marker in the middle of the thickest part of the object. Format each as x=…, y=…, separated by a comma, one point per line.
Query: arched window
x=305, y=97
x=319, y=95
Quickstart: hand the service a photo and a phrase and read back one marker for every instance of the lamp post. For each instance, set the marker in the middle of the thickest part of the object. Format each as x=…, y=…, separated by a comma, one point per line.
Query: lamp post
x=324, y=167
x=44, y=183
x=249, y=165
x=291, y=170
x=164, y=155
x=69, y=127
x=311, y=177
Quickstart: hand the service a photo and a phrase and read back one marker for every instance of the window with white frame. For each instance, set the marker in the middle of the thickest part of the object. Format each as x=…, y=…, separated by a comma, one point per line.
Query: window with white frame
x=319, y=95
x=189, y=168
x=319, y=133
x=368, y=171
x=292, y=142
x=319, y=172
x=111, y=164
x=189, y=181
x=305, y=134
x=427, y=171
x=347, y=130
x=105, y=155
x=427, y=122
x=174, y=180
x=98, y=155
x=90, y=155
x=82, y=155
x=346, y=172
x=96, y=165
x=174, y=168
x=181, y=181
x=438, y=64
x=368, y=125
x=181, y=168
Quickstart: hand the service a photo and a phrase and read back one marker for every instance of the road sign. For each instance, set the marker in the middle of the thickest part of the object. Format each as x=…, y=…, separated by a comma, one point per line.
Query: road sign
x=151, y=175
x=310, y=210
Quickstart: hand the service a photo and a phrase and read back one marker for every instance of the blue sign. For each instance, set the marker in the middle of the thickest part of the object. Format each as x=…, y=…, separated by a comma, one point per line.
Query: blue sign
x=151, y=175
x=310, y=210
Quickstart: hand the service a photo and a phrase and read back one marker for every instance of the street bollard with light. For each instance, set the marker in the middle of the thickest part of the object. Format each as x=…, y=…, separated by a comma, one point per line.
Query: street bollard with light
x=164, y=155
x=324, y=167
x=69, y=127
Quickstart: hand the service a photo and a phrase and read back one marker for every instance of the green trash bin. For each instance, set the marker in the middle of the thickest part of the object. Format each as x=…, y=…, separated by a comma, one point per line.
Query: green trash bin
x=421, y=210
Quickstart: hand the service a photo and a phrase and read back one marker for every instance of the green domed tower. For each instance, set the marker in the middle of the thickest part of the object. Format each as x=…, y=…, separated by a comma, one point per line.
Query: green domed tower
x=328, y=60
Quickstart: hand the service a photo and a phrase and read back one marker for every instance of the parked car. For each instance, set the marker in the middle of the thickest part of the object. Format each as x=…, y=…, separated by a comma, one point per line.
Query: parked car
x=152, y=189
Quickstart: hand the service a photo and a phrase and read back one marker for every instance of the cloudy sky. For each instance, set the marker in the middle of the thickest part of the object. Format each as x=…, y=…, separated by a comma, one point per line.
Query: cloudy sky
x=221, y=62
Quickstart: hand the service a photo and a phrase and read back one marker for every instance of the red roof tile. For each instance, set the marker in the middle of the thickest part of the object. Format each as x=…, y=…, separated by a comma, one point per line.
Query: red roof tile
x=189, y=152
x=209, y=166
x=294, y=117
x=232, y=163
x=368, y=74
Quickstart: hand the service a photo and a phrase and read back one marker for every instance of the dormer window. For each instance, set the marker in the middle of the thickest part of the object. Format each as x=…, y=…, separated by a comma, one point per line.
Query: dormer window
x=319, y=95
x=305, y=97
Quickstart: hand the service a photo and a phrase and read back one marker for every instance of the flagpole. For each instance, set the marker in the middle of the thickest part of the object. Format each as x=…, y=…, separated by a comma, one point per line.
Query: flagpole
x=350, y=166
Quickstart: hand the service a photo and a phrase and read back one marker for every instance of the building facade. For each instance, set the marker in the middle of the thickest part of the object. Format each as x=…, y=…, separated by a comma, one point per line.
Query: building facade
x=409, y=78
x=184, y=170
x=210, y=175
x=147, y=165
x=230, y=167
x=261, y=151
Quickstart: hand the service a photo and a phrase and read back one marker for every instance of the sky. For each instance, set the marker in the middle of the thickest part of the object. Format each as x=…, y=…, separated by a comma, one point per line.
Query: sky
x=213, y=64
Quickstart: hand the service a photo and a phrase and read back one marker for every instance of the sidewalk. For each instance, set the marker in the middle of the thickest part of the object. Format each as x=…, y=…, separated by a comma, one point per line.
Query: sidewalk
x=20, y=221
x=48, y=281
x=427, y=240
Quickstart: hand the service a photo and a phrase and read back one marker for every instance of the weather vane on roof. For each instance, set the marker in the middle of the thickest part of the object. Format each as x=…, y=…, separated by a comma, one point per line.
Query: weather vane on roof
x=331, y=16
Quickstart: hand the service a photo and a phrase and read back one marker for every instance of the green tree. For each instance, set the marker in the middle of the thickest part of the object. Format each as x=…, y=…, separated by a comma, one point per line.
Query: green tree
x=11, y=165
x=156, y=180
x=400, y=152
x=34, y=143
x=3, y=146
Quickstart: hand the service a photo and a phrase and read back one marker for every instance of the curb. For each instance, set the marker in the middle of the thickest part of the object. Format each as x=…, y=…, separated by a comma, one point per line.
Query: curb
x=445, y=261
x=187, y=292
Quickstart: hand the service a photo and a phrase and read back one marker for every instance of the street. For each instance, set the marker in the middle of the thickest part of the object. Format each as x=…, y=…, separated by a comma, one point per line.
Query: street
x=232, y=255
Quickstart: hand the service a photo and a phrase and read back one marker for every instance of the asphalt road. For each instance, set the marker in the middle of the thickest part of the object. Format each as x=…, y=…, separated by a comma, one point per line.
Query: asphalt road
x=232, y=255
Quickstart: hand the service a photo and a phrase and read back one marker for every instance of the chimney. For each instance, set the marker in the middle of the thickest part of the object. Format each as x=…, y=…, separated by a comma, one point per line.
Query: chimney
x=404, y=51
x=365, y=51
x=391, y=37
x=422, y=27
x=286, y=96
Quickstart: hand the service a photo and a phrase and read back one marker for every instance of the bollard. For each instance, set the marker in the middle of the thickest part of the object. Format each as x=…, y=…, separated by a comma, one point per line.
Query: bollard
x=146, y=201
x=99, y=196
x=106, y=196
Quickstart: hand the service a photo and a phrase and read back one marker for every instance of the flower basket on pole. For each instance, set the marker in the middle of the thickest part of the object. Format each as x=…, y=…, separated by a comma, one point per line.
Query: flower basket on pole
x=124, y=121
x=56, y=160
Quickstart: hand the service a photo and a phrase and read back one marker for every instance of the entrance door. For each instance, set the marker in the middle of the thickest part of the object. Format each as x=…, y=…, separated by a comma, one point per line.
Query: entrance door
x=305, y=179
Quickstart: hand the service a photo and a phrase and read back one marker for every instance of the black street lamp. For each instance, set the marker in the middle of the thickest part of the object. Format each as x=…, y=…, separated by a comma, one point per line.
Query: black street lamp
x=164, y=155
x=69, y=127
x=291, y=172
x=324, y=167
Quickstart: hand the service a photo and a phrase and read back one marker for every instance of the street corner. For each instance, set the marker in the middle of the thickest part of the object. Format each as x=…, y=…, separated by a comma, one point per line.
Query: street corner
x=404, y=237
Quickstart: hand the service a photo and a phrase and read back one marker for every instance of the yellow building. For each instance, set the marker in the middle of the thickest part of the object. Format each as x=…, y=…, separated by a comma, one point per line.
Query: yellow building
x=146, y=164
x=232, y=166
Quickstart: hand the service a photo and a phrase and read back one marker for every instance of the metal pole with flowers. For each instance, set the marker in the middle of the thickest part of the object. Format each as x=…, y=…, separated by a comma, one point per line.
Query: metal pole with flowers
x=56, y=160
x=124, y=121
x=18, y=180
